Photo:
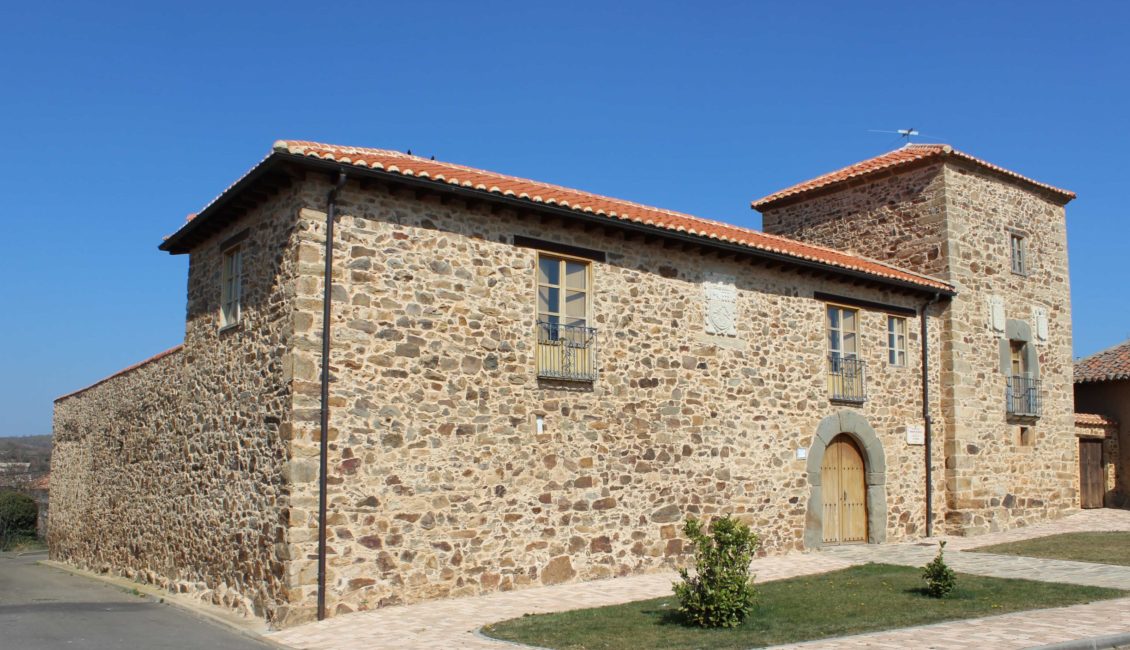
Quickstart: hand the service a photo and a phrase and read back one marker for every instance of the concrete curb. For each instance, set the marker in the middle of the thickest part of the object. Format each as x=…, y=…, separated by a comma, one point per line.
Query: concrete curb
x=1093, y=643
x=254, y=629
x=478, y=632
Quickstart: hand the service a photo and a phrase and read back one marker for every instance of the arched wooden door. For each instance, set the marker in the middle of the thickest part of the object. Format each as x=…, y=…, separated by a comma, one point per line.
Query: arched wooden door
x=844, y=492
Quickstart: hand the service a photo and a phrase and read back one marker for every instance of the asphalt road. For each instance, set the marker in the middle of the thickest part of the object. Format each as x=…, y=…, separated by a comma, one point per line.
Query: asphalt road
x=43, y=608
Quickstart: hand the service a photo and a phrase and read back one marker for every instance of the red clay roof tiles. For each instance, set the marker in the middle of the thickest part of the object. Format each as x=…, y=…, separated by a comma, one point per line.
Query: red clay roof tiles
x=1094, y=420
x=589, y=203
x=1112, y=364
x=901, y=157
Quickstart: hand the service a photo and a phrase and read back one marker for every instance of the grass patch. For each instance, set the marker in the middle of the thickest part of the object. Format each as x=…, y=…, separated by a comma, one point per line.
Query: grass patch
x=858, y=599
x=1101, y=548
x=22, y=544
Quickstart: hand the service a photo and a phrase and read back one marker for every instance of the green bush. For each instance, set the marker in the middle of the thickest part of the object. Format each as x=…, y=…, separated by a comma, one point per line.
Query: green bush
x=18, y=514
x=721, y=592
x=940, y=579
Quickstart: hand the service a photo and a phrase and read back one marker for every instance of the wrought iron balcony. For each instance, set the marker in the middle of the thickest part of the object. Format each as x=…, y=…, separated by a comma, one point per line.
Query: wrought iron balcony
x=845, y=378
x=566, y=352
x=1022, y=396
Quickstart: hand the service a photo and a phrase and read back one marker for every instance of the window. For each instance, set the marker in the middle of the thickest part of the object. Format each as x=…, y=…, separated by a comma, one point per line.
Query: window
x=1022, y=392
x=231, y=286
x=566, y=343
x=1019, y=358
x=845, y=369
x=1019, y=254
x=896, y=340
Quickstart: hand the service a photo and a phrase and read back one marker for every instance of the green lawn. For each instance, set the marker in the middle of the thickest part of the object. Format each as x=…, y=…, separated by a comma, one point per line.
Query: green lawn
x=858, y=599
x=1104, y=548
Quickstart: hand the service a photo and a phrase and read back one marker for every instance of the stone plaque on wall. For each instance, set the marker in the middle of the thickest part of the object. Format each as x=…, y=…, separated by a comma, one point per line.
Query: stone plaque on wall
x=721, y=303
x=1040, y=324
x=996, y=315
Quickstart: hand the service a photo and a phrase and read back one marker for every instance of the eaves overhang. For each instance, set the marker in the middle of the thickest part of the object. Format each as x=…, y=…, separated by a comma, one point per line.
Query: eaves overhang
x=277, y=168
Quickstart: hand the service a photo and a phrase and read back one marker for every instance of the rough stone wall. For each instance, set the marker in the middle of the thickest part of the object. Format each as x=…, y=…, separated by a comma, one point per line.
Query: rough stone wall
x=950, y=220
x=1112, y=399
x=174, y=472
x=439, y=483
x=993, y=482
x=898, y=218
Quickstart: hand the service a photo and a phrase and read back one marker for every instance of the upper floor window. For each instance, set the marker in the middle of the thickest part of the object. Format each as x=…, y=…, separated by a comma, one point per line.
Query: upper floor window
x=231, y=286
x=845, y=368
x=843, y=331
x=1018, y=248
x=896, y=340
x=566, y=342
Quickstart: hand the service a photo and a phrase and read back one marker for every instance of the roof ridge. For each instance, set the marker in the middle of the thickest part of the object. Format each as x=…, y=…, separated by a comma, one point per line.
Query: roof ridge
x=1103, y=351
x=910, y=152
x=559, y=196
x=521, y=179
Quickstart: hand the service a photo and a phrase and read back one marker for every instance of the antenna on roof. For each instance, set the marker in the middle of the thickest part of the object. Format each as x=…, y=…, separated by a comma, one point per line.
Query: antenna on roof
x=905, y=134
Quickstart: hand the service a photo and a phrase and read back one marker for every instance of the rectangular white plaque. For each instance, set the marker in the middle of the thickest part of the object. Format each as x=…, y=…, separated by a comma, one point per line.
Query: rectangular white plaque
x=915, y=434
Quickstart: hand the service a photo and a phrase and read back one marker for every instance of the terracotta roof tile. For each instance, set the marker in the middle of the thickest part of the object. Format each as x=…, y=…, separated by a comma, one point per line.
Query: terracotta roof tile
x=1094, y=420
x=1112, y=364
x=589, y=203
x=903, y=156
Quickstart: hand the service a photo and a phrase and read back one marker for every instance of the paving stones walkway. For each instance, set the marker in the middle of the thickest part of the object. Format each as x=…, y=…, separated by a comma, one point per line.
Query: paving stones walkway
x=452, y=623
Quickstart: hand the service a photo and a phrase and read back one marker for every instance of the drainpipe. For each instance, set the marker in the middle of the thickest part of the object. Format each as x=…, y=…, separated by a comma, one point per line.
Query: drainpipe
x=323, y=459
x=928, y=421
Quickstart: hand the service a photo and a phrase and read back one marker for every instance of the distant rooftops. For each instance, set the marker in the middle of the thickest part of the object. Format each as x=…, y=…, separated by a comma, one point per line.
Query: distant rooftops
x=902, y=157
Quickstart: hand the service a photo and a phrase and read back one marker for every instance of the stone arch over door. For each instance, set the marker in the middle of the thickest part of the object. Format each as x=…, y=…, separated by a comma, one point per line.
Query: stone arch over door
x=875, y=461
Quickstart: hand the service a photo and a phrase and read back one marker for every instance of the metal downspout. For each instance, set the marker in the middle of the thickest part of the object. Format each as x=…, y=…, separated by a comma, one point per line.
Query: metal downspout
x=323, y=458
x=927, y=419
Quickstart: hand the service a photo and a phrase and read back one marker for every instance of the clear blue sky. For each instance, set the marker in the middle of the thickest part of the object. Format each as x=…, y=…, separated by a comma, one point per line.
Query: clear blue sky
x=118, y=120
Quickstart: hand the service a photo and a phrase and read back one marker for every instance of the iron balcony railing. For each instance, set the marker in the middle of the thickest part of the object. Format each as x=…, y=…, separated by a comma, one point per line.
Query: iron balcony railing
x=1022, y=396
x=566, y=352
x=845, y=378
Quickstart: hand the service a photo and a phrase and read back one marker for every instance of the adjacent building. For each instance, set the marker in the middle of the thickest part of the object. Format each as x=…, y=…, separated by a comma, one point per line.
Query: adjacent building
x=529, y=384
x=1102, y=398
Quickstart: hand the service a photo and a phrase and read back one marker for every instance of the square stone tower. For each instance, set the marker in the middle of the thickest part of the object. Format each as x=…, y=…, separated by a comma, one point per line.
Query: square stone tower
x=1003, y=412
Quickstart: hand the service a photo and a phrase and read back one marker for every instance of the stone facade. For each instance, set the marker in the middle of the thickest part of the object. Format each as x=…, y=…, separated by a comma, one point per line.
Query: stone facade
x=455, y=470
x=953, y=220
x=440, y=484
x=177, y=471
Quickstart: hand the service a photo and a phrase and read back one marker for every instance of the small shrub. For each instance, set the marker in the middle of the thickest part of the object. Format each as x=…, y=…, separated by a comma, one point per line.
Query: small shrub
x=18, y=514
x=940, y=579
x=721, y=592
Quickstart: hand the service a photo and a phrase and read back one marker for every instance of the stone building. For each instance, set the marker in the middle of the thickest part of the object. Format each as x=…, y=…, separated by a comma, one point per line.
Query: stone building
x=1102, y=399
x=529, y=384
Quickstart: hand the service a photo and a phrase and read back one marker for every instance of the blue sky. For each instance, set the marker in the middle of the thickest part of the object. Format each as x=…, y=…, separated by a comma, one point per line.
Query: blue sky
x=121, y=118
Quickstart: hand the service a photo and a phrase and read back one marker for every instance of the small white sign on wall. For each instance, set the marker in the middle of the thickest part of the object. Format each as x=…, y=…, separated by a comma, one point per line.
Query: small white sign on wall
x=915, y=434
x=801, y=453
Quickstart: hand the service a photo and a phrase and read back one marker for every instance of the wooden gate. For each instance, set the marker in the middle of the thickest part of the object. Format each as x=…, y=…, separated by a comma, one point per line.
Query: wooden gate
x=844, y=492
x=1092, y=479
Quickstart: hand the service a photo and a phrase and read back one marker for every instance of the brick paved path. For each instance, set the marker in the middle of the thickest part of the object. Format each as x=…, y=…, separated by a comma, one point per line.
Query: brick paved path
x=451, y=623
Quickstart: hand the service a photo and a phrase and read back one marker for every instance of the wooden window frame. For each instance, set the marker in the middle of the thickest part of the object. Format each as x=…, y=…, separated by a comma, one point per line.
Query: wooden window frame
x=1018, y=252
x=547, y=357
x=231, y=286
x=828, y=329
x=562, y=288
x=894, y=347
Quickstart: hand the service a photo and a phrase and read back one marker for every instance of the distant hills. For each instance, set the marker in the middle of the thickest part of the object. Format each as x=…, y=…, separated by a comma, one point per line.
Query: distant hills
x=35, y=450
